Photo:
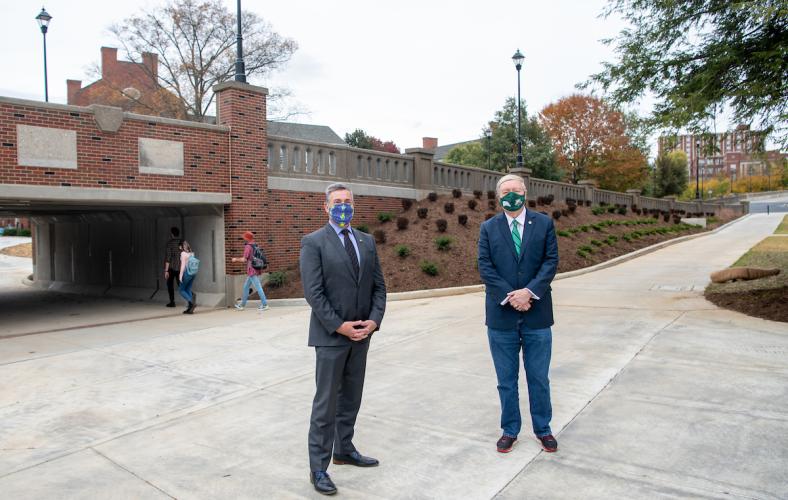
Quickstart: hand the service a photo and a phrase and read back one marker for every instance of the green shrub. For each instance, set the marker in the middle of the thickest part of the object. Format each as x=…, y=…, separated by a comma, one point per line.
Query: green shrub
x=277, y=279
x=10, y=231
x=574, y=230
x=586, y=248
x=596, y=243
x=24, y=232
x=565, y=234
x=385, y=216
x=402, y=223
x=582, y=253
x=443, y=242
x=585, y=228
x=380, y=236
x=428, y=267
x=611, y=240
x=363, y=228
x=598, y=210
x=402, y=250
x=611, y=209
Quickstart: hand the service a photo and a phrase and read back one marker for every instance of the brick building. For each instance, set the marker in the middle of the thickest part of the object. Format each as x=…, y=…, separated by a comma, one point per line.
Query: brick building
x=735, y=153
x=131, y=86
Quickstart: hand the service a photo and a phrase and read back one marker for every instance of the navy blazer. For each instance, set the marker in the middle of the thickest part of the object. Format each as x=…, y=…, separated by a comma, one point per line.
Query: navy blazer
x=502, y=270
x=332, y=291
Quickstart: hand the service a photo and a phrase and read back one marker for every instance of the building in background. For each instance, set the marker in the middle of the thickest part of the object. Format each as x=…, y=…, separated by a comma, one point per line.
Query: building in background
x=735, y=154
x=131, y=86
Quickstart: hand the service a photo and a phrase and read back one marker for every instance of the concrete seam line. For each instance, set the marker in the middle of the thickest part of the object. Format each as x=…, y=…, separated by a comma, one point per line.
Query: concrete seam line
x=465, y=289
x=588, y=403
x=116, y=464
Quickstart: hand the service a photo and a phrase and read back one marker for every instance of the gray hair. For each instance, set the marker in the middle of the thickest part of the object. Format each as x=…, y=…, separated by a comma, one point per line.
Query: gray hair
x=507, y=178
x=337, y=186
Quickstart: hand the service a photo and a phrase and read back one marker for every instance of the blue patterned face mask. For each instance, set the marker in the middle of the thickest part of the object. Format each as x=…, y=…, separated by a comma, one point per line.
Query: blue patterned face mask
x=341, y=214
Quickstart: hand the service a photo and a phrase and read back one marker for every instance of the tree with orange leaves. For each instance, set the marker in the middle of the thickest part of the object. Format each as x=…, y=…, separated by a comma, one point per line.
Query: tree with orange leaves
x=591, y=142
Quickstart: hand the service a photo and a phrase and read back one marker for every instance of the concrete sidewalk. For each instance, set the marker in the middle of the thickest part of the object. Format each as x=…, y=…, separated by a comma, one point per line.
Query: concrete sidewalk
x=656, y=392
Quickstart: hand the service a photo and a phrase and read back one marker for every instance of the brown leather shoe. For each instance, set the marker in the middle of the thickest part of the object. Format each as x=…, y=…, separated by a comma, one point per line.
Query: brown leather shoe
x=355, y=458
x=505, y=444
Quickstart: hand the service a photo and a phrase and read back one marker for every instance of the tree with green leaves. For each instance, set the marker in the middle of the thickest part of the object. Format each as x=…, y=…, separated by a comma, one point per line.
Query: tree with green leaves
x=470, y=153
x=670, y=174
x=360, y=139
x=699, y=56
x=497, y=146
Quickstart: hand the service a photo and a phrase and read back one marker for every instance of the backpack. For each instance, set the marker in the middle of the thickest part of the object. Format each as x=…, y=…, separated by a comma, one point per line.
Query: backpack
x=258, y=258
x=192, y=265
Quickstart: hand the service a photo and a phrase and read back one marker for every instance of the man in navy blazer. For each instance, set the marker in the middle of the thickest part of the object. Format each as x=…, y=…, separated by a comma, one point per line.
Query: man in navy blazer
x=344, y=285
x=518, y=258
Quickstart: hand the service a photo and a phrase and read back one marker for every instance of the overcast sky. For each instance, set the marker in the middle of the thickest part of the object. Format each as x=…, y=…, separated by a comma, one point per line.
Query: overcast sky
x=402, y=71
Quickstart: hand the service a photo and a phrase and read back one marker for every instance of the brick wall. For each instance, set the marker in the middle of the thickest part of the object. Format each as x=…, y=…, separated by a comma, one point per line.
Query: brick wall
x=290, y=215
x=110, y=159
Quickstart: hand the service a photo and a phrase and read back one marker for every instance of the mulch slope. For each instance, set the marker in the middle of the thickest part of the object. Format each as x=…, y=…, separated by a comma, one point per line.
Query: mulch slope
x=457, y=265
x=22, y=250
x=771, y=303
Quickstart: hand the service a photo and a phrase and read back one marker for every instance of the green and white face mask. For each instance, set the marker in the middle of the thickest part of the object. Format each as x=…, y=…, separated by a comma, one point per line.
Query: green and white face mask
x=512, y=202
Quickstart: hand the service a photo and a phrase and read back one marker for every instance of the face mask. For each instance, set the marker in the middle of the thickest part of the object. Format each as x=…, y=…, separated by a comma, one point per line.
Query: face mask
x=341, y=214
x=512, y=201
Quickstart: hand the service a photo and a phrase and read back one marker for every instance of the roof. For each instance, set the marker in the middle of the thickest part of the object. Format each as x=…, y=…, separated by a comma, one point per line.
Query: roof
x=301, y=131
x=441, y=152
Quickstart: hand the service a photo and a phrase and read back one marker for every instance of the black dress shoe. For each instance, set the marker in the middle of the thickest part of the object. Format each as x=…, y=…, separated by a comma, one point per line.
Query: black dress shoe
x=505, y=444
x=322, y=483
x=171, y=304
x=355, y=458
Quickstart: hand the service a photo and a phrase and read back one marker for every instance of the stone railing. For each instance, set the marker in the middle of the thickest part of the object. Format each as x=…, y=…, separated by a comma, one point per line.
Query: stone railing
x=297, y=165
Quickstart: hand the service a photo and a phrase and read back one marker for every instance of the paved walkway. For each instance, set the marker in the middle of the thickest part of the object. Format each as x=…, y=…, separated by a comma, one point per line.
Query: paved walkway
x=657, y=393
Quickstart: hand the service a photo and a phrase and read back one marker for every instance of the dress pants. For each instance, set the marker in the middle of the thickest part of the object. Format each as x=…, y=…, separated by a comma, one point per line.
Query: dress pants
x=339, y=378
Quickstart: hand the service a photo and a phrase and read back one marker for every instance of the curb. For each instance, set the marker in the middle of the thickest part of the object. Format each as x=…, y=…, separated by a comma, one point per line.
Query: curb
x=462, y=290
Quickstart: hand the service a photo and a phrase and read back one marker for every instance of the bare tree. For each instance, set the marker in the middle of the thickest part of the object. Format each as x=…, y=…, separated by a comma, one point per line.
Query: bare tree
x=195, y=43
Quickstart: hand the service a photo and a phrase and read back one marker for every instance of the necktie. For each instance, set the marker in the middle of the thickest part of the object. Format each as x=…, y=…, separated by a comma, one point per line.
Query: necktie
x=351, y=251
x=516, y=237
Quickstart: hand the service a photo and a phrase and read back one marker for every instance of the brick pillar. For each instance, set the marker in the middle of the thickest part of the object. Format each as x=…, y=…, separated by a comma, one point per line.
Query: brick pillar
x=635, y=194
x=242, y=108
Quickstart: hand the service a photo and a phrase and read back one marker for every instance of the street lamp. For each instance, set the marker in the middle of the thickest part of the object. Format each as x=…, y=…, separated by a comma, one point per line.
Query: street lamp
x=43, y=19
x=518, y=59
x=697, y=169
x=240, y=69
x=488, y=137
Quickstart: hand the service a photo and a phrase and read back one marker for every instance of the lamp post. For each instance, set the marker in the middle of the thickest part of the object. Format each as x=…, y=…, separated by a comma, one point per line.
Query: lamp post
x=488, y=137
x=43, y=19
x=518, y=59
x=697, y=169
x=240, y=69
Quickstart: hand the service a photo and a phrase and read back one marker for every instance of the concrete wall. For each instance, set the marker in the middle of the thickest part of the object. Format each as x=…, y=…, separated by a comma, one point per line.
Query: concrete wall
x=121, y=253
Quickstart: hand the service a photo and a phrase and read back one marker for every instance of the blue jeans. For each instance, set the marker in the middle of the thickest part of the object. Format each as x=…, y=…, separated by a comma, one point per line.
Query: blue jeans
x=505, y=347
x=253, y=280
x=186, y=287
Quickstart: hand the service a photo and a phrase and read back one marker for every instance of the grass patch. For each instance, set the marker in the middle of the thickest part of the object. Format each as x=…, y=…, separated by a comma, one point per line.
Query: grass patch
x=783, y=227
x=769, y=253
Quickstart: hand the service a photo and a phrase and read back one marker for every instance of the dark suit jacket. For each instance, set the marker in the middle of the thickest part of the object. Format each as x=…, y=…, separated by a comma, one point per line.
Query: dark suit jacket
x=503, y=271
x=329, y=287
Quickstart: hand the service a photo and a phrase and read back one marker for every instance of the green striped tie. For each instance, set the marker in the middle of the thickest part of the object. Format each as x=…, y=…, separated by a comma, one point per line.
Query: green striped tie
x=516, y=237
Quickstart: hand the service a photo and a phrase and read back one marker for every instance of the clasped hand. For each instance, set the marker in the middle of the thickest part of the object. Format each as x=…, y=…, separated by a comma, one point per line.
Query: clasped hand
x=520, y=299
x=357, y=330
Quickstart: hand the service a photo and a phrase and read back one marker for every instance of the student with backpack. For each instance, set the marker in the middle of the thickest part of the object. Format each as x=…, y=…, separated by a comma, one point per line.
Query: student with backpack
x=189, y=267
x=255, y=260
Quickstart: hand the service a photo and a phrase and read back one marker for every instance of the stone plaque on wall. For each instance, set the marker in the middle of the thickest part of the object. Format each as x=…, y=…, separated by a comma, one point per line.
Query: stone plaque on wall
x=46, y=147
x=160, y=157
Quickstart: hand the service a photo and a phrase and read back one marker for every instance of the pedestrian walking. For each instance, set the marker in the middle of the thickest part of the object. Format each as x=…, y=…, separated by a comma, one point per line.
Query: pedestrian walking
x=255, y=260
x=189, y=266
x=172, y=263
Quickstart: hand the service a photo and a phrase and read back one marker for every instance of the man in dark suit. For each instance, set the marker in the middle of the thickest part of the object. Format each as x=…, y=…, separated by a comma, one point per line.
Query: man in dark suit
x=518, y=258
x=343, y=283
